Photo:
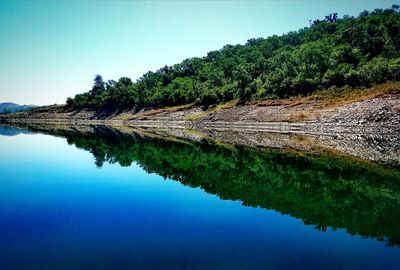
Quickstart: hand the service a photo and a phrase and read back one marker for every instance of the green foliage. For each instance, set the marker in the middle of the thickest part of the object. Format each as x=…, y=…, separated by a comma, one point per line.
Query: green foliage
x=374, y=71
x=333, y=52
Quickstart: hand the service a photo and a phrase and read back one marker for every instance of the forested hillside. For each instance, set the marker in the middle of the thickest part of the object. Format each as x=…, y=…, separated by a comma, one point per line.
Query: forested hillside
x=330, y=53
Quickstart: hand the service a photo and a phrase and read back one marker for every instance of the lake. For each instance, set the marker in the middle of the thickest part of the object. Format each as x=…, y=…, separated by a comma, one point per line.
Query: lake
x=100, y=198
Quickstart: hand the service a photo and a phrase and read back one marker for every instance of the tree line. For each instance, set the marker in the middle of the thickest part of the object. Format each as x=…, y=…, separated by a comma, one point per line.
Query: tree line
x=331, y=53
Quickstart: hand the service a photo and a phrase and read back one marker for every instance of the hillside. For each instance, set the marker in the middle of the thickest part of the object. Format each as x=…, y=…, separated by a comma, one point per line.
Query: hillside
x=331, y=53
x=9, y=107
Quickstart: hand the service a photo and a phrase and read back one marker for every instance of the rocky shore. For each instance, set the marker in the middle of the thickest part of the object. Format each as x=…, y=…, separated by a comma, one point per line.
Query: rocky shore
x=368, y=129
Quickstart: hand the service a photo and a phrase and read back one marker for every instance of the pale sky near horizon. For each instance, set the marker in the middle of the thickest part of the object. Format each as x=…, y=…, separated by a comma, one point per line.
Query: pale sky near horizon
x=50, y=50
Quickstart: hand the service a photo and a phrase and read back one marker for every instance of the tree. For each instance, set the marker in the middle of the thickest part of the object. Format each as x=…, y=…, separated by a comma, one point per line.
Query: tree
x=98, y=86
x=331, y=17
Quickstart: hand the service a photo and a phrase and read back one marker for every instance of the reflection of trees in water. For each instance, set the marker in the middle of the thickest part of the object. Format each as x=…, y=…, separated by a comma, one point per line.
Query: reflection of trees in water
x=324, y=191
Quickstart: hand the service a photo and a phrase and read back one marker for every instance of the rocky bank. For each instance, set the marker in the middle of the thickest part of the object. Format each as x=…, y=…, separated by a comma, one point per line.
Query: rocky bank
x=368, y=129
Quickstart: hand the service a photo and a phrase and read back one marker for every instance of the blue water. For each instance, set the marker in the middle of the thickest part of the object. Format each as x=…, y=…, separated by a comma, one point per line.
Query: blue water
x=59, y=211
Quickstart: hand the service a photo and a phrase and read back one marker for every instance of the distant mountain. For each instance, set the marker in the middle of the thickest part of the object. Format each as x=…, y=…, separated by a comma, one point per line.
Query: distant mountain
x=12, y=131
x=9, y=107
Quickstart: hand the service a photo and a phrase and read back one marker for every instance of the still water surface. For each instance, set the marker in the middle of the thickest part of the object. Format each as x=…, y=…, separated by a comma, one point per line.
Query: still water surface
x=106, y=200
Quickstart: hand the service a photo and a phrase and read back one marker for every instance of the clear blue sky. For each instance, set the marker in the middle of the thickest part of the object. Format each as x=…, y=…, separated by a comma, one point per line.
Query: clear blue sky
x=50, y=50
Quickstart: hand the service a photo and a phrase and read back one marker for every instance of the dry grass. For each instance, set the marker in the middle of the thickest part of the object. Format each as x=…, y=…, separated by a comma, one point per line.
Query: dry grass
x=217, y=108
x=143, y=114
x=196, y=132
x=337, y=97
x=332, y=98
x=224, y=144
x=125, y=129
x=298, y=117
x=179, y=107
x=226, y=105
x=290, y=102
x=125, y=117
x=197, y=116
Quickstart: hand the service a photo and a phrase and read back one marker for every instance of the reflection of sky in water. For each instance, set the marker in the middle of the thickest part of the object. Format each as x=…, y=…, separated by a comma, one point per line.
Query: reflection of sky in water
x=57, y=209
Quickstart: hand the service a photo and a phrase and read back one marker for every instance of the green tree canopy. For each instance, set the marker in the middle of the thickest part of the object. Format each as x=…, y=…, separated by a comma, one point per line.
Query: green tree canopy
x=332, y=52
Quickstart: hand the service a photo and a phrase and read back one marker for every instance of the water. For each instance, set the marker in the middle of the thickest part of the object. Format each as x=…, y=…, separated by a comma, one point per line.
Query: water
x=97, y=198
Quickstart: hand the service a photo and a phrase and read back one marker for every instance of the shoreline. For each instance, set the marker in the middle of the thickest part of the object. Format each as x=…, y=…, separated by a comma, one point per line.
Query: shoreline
x=380, y=114
x=368, y=129
x=378, y=150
